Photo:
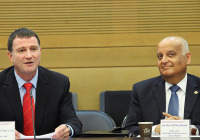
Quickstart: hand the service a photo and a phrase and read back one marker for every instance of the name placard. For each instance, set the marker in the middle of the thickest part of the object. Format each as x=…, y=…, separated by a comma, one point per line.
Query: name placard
x=7, y=130
x=175, y=128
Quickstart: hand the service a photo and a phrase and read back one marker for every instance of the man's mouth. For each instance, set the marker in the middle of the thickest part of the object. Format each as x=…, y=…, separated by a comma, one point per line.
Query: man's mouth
x=165, y=67
x=28, y=62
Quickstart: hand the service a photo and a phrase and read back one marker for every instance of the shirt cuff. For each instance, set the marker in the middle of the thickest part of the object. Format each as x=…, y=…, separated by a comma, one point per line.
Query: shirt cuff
x=71, y=130
x=153, y=131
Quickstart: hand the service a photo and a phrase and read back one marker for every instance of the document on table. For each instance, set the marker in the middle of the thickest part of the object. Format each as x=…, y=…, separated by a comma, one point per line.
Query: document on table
x=49, y=135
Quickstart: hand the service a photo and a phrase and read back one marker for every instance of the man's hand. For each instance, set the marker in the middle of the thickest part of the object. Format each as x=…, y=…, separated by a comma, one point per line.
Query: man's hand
x=193, y=131
x=17, y=134
x=169, y=117
x=62, y=131
x=157, y=129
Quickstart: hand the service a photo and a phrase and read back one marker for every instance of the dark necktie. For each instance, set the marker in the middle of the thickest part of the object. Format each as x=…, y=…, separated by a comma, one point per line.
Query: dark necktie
x=28, y=122
x=173, y=103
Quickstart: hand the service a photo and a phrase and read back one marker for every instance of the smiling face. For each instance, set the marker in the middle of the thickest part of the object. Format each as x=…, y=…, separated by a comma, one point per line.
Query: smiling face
x=25, y=56
x=172, y=60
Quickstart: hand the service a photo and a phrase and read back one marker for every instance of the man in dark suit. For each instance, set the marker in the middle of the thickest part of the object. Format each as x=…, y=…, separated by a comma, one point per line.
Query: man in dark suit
x=150, y=99
x=51, y=98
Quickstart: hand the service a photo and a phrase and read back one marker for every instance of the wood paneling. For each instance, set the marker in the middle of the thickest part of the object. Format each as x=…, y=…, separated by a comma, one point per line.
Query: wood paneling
x=100, y=17
x=89, y=82
x=107, y=40
x=102, y=45
x=100, y=57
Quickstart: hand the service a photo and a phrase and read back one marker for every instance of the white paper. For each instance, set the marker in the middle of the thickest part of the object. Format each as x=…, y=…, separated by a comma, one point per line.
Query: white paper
x=175, y=128
x=49, y=135
x=7, y=130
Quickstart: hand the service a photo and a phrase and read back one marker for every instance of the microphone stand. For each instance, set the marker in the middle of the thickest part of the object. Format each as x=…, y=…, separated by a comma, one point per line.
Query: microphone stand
x=31, y=95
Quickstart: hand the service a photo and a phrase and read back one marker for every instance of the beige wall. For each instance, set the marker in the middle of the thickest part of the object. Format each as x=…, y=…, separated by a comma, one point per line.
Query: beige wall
x=102, y=45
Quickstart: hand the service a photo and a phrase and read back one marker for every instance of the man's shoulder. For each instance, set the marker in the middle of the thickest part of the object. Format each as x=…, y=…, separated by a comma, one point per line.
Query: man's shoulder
x=49, y=74
x=143, y=87
x=194, y=78
x=150, y=81
x=4, y=73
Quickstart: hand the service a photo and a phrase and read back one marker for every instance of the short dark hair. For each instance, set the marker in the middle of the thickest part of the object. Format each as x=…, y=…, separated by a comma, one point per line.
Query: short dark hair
x=21, y=33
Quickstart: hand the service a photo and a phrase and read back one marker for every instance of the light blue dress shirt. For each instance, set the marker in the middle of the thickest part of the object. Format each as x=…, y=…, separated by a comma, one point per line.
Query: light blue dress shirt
x=22, y=90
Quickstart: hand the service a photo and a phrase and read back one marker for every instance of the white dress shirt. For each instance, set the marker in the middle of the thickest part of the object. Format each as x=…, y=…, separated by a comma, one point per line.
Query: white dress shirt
x=181, y=95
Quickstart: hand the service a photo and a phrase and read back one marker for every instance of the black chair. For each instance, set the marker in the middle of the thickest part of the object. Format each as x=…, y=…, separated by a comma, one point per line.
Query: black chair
x=74, y=100
x=95, y=120
x=115, y=104
x=124, y=122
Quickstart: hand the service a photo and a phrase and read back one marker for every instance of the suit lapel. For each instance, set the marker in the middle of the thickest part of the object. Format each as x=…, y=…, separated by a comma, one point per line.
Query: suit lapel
x=159, y=93
x=42, y=92
x=12, y=92
x=191, y=97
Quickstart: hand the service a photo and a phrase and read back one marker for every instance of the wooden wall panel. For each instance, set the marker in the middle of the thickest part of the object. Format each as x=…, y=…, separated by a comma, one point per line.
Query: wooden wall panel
x=100, y=57
x=100, y=17
x=89, y=82
x=107, y=40
x=102, y=45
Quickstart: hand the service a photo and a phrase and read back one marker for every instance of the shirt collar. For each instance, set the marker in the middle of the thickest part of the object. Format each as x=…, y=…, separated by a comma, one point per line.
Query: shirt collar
x=182, y=84
x=21, y=82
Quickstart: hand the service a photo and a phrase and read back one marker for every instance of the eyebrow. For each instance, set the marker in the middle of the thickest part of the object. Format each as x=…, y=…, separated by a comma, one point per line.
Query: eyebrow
x=171, y=51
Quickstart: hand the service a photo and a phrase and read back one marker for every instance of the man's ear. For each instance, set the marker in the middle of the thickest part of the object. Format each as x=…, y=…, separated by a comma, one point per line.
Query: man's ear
x=10, y=56
x=188, y=55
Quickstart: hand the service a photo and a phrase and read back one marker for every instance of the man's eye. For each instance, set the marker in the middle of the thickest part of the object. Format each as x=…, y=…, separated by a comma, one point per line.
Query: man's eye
x=159, y=57
x=34, y=49
x=171, y=54
x=21, y=50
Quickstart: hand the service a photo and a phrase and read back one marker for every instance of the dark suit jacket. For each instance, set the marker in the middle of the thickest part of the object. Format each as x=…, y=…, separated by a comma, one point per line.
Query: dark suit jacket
x=148, y=102
x=53, y=102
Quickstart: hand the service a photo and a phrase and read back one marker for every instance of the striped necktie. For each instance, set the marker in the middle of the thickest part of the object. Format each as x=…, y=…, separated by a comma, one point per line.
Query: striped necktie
x=28, y=122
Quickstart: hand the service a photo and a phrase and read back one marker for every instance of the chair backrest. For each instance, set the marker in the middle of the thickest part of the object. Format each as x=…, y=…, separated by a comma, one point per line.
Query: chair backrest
x=95, y=120
x=124, y=122
x=74, y=100
x=115, y=104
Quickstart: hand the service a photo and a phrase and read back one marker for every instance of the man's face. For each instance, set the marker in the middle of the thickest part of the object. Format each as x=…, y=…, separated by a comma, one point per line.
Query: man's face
x=172, y=63
x=25, y=56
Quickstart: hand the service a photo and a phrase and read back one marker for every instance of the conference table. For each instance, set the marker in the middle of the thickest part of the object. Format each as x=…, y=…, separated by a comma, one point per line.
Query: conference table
x=106, y=135
x=126, y=138
x=135, y=138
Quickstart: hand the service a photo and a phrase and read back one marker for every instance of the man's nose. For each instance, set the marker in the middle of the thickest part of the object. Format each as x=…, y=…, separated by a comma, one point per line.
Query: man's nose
x=164, y=59
x=28, y=54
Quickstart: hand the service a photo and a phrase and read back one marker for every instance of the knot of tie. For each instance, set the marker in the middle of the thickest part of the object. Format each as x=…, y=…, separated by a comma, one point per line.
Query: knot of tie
x=174, y=88
x=28, y=86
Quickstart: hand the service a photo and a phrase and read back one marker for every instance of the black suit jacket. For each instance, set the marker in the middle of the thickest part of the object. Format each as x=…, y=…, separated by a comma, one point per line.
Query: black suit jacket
x=148, y=102
x=53, y=102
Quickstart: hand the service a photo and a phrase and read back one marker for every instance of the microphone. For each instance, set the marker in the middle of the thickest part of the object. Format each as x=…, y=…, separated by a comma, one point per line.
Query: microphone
x=31, y=95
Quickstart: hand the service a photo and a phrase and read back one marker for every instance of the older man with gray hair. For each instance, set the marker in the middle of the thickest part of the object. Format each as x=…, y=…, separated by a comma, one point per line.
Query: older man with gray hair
x=174, y=95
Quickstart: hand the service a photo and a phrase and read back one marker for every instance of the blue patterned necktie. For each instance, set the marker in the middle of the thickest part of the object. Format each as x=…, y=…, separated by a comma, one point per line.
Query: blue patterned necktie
x=173, y=103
